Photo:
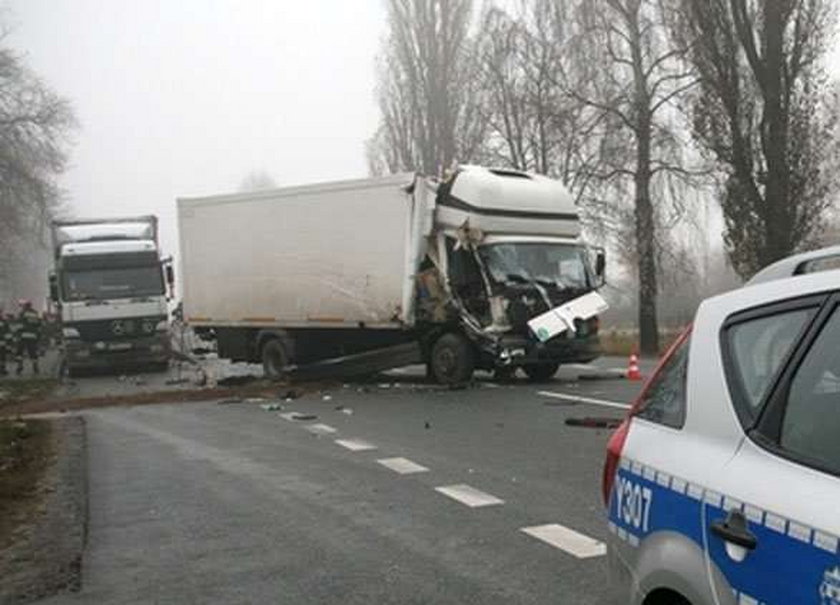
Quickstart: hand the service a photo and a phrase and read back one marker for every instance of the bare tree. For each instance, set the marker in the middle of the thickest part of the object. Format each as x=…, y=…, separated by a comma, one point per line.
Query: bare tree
x=765, y=114
x=632, y=73
x=35, y=126
x=425, y=89
x=257, y=180
x=524, y=64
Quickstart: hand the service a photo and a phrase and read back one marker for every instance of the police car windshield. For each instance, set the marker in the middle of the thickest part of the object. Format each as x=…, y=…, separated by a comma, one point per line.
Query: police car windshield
x=563, y=265
x=99, y=284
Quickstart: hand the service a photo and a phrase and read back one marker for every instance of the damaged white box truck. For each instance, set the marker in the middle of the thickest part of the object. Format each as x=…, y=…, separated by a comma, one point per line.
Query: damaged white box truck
x=483, y=270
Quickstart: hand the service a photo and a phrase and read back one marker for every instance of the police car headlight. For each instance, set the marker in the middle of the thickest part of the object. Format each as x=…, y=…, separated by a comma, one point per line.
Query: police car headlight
x=162, y=327
x=70, y=333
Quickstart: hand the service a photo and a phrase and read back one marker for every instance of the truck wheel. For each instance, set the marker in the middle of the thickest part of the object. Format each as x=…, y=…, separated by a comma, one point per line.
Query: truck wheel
x=540, y=372
x=452, y=360
x=274, y=359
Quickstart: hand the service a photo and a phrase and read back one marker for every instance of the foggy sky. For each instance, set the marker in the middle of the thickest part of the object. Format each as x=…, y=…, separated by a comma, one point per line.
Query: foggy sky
x=185, y=97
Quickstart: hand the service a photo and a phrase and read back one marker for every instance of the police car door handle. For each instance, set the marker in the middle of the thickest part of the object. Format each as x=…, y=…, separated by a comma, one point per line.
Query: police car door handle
x=734, y=529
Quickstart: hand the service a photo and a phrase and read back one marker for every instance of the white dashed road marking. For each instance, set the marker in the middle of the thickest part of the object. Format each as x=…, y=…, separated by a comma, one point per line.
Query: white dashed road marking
x=403, y=466
x=321, y=429
x=355, y=445
x=468, y=495
x=567, y=540
x=579, y=399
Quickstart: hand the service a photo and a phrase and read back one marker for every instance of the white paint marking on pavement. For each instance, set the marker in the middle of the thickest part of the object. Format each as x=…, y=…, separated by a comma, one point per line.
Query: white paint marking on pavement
x=579, y=399
x=403, y=466
x=468, y=495
x=568, y=540
x=355, y=445
x=290, y=416
x=321, y=429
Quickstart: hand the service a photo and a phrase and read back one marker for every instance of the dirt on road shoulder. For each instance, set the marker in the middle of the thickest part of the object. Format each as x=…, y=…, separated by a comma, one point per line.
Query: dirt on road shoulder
x=43, y=504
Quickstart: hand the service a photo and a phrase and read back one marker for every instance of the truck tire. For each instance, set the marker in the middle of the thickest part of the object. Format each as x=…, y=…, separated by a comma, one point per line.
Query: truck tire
x=275, y=359
x=540, y=372
x=452, y=360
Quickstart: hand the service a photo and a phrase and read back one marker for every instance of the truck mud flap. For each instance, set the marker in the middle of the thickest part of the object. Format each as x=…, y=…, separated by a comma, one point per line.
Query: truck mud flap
x=361, y=364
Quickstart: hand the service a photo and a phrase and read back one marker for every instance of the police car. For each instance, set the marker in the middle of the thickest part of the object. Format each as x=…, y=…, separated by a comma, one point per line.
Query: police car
x=723, y=484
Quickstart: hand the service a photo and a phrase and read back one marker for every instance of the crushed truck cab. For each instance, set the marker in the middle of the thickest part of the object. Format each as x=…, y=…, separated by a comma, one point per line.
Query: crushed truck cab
x=484, y=269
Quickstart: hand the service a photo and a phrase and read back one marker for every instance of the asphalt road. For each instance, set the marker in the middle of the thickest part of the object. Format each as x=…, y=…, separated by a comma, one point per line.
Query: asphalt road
x=201, y=503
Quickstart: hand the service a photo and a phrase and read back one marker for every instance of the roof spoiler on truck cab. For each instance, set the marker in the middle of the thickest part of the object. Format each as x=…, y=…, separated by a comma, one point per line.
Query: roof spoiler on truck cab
x=103, y=229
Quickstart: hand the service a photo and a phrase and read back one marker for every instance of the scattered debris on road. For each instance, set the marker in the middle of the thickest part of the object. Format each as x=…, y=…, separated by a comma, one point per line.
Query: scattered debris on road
x=268, y=407
x=230, y=400
x=594, y=422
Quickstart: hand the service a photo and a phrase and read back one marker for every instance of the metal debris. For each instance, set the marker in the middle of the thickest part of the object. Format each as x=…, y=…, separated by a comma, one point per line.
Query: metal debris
x=594, y=422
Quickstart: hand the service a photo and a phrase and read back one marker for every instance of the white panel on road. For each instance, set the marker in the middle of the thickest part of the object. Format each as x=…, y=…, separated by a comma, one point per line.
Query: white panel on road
x=403, y=466
x=468, y=495
x=321, y=429
x=579, y=399
x=355, y=445
x=568, y=540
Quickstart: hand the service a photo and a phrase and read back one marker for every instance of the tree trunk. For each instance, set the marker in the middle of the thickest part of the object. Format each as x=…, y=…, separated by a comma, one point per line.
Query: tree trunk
x=645, y=247
x=774, y=139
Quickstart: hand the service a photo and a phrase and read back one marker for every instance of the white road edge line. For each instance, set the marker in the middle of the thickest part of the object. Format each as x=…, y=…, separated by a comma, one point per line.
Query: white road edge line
x=469, y=496
x=403, y=466
x=355, y=445
x=579, y=399
x=567, y=540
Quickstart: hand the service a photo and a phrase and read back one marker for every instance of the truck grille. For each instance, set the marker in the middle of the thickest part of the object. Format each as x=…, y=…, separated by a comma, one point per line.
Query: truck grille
x=124, y=328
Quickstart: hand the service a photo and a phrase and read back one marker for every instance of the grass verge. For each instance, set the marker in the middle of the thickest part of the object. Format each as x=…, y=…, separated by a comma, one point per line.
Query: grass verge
x=15, y=392
x=26, y=449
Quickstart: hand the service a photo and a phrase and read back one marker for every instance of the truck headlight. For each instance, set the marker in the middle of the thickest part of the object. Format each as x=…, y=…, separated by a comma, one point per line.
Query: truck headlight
x=70, y=333
x=162, y=326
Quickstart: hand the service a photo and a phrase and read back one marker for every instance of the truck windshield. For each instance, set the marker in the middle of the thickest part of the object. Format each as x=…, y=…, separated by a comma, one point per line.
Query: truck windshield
x=549, y=264
x=123, y=282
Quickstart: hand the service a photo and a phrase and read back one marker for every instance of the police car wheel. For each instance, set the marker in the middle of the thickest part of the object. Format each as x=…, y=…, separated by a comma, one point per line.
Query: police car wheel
x=541, y=371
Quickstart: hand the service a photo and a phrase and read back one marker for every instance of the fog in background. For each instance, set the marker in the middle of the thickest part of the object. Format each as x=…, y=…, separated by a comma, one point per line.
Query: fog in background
x=201, y=97
x=189, y=97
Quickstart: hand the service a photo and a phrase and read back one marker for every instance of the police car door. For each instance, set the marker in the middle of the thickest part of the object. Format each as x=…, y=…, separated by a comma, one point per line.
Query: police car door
x=773, y=530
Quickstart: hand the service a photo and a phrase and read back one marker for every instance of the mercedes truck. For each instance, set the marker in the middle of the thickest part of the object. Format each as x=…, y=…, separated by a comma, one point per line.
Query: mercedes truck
x=109, y=285
x=485, y=269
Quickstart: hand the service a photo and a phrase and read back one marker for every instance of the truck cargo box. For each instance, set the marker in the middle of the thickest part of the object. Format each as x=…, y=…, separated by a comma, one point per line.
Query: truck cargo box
x=329, y=255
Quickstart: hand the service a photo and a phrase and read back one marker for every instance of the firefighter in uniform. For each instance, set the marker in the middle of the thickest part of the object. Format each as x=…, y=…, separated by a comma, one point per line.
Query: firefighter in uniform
x=5, y=341
x=29, y=332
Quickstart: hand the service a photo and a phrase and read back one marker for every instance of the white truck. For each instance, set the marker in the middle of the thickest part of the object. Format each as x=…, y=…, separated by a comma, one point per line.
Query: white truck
x=108, y=286
x=485, y=269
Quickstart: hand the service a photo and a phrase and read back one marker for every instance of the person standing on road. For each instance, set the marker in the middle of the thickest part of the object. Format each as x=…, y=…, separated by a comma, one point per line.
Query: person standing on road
x=29, y=332
x=5, y=341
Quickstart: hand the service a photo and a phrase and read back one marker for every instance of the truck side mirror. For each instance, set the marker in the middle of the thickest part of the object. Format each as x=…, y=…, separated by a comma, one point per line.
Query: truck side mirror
x=53, y=288
x=170, y=276
x=600, y=264
x=600, y=268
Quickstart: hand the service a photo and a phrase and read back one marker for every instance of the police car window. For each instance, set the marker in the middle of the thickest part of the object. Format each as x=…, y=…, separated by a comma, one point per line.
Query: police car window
x=811, y=425
x=826, y=263
x=757, y=349
x=664, y=401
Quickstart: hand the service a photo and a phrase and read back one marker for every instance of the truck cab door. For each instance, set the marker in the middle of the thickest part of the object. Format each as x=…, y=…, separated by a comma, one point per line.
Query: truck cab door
x=773, y=529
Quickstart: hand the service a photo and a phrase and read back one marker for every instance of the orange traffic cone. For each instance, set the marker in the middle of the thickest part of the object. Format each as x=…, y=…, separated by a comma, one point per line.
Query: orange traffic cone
x=633, y=372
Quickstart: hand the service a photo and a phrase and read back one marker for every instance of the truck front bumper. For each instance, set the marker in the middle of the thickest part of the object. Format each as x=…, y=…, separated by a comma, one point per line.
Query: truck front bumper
x=151, y=350
x=521, y=350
